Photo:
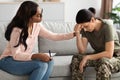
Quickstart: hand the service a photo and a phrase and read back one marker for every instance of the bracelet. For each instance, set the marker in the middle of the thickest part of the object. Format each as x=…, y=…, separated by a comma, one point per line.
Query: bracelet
x=76, y=33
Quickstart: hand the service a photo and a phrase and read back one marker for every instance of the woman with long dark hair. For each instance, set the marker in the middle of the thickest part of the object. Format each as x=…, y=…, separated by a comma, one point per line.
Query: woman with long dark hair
x=21, y=34
x=103, y=39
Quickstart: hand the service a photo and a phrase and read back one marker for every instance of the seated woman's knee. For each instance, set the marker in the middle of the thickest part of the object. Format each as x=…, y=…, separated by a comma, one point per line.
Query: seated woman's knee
x=41, y=64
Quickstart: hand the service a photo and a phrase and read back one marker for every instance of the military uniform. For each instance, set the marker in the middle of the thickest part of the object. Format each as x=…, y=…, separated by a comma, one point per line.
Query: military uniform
x=104, y=67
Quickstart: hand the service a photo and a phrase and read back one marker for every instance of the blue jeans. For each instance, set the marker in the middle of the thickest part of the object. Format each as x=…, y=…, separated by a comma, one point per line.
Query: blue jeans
x=38, y=70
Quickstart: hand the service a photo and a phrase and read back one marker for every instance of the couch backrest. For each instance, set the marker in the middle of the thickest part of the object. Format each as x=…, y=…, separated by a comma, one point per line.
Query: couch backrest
x=66, y=47
x=3, y=41
x=59, y=47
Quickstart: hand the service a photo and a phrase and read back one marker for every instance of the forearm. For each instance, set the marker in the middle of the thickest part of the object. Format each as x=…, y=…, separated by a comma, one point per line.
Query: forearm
x=79, y=43
x=100, y=55
x=34, y=57
x=66, y=36
x=55, y=36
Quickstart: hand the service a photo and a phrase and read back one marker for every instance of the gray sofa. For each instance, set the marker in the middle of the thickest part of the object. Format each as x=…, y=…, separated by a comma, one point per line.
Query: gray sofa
x=64, y=49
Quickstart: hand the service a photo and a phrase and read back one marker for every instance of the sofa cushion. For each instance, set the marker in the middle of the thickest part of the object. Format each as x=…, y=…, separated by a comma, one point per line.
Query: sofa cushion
x=6, y=76
x=3, y=41
x=66, y=47
x=61, y=66
x=59, y=47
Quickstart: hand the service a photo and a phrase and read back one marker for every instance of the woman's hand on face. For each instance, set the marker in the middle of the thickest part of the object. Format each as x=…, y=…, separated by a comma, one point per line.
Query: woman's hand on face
x=83, y=63
x=78, y=28
x=42, y=57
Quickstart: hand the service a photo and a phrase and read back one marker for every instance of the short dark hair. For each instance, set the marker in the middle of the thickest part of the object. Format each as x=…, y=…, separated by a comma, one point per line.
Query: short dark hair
x=83, y=15
x=92, y=10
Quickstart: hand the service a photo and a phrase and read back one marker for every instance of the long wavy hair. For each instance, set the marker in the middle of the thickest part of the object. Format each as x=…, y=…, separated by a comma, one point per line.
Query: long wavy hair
x=21, y=20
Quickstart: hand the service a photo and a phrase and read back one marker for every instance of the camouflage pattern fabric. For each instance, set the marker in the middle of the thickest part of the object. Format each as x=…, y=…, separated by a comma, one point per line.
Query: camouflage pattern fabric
x=104, y=67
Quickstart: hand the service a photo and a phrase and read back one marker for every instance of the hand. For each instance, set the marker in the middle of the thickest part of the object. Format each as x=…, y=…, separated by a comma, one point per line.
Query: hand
x=42, y=57
x=78, y=28
x=45, y=57
x=83, y=63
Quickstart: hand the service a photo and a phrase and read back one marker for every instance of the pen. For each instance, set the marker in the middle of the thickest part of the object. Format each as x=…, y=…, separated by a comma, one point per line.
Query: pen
x=50, y=53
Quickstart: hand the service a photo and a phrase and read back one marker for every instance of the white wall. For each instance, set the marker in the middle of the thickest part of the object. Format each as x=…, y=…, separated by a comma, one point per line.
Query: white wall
x=115, y=2
x=5, y=0
x=51, y=11
x=73, y=6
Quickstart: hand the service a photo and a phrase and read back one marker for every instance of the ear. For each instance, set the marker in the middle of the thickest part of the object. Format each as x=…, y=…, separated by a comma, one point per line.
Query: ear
x=92, y=19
